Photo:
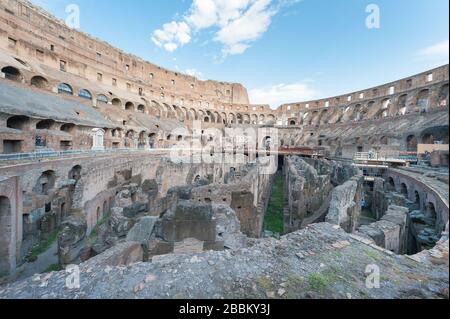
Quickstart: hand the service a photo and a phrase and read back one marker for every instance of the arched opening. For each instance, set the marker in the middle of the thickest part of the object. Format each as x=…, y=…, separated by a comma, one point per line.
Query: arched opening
x=98, y=215
x=431, y=213
x=17, y=122
x=401, y=105
x=292, y=122
x=141, y=108
x=12, y=73
x=68, y=128
x=105, y=207
x=116, y=102
x=152, y=140
x=404, y=190
x=129, y=106
x=64, y=88
x=411, y=143
x=45, y=125
x=45, y=182
x=85, y=94
x=417, y=198
x=5, y=234
x=39, y=82
x=435, y=135
x=422, y=100
x=383, y=140
x=443, y=96
x=102, y=99
x=391, y=184
x=75, y=173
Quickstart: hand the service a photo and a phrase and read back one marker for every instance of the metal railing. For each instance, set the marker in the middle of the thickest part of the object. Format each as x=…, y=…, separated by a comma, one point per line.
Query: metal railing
x=52, y=154
x=385, y=156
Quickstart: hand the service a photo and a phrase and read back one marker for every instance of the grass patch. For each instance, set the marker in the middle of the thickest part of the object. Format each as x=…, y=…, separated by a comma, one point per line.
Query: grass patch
x=94, y=233
x=264, y=283
x=320, y=281
x=273, y=221
x=44, y=245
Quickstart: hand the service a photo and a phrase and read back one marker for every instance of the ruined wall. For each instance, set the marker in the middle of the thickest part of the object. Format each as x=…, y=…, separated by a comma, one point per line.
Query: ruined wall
x=345, y=208
x=392, y=231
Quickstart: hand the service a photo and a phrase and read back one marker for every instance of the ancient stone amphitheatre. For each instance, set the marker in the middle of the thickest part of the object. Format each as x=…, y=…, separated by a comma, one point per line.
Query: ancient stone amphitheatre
x=122, y=179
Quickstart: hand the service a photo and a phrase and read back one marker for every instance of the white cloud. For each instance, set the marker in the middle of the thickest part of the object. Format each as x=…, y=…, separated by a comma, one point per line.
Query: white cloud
x=237, y=23
x=282, y=93
x=250, y=26
x=194, y=73
x=172, y=35
x=439, y=51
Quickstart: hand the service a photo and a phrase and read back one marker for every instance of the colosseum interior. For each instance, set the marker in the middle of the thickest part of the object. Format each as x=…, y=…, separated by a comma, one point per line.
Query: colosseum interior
x=173, y=187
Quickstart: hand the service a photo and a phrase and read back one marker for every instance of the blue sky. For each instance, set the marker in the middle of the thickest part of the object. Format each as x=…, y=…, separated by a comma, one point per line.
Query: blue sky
x=281, y=50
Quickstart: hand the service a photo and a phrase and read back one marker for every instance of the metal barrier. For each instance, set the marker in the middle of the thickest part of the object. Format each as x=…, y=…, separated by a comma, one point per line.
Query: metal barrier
x=50, y=154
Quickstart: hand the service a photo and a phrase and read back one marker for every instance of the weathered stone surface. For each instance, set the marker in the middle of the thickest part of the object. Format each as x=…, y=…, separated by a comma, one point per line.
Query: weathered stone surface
x=71, y=241
x=119, y=224
x=122, y=254
x=391, y=231
x=332, y=265
x=142, y=231
x=345, y=206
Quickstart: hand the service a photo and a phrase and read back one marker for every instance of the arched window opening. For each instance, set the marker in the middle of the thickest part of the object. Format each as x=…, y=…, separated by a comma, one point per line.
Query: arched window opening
x=45, y=125
x=116, y=102
x=102, y=99
x=129, y=106
x=411, y=143
x=85, y=94
x=12, y=73
x=17, y=122
x=404, y=190
x=75, y=173
x=64, y=88
x=68, y=128
x=39, y=82
x=45, y=183
x=422, y=100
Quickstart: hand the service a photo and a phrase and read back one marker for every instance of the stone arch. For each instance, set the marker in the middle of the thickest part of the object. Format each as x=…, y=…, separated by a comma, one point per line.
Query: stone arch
x=239, y=118
x=384, y=140
x=39, y=82
x=404, y=190
x=141, y=108
x=45, y=124
x=423, y=100
x=231, y=118
x=85, y=94
x=129, y=106
x=116, y=102
x=401, y=108
x=262, y=119
x=101, y=98
x=435, y=134
x=12, y=73
x=18, y=122
x=443, y=98
x=45, y=182
x=391, y=184
x=68, y=128
x=411, y=143
x=417, y=199
x=75, y=172
x=431, y=212
x=64, y=88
